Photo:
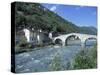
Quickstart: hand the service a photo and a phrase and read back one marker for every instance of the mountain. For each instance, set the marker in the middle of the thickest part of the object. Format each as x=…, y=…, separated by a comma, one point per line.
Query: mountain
x=34, y=15
x=88, y=30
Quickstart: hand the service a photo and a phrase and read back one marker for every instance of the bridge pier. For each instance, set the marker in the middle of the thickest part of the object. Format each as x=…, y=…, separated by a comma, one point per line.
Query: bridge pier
x=63, y=43
x=82, y=45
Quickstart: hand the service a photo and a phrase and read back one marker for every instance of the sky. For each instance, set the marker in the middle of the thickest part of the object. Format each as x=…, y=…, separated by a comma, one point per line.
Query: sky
x=79, y=15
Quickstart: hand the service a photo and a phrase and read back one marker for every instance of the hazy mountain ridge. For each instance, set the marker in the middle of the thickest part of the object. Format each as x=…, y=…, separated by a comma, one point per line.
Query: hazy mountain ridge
x=88, y=30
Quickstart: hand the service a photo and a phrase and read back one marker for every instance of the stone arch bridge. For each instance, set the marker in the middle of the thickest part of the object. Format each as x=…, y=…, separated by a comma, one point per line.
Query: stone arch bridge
x=82, y=37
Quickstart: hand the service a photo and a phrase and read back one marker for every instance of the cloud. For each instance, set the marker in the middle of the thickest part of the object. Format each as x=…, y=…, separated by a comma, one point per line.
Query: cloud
x=79, y=7
x=53, y=8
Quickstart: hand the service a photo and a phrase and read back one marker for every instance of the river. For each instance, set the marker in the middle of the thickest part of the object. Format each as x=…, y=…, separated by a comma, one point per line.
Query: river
x=41, y=59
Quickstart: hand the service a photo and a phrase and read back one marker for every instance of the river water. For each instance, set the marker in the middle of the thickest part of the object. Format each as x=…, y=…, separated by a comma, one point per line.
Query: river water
x=39, y=60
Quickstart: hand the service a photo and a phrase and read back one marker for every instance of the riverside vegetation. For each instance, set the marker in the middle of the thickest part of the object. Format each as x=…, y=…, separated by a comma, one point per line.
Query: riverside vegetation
x=85, y=59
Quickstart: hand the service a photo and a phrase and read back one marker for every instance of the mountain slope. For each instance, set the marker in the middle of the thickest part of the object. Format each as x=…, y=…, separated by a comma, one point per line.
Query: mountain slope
x=34, y=15
x=88, y=30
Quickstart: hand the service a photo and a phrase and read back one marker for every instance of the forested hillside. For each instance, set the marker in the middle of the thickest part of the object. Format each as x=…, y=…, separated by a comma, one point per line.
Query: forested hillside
x=34, y=15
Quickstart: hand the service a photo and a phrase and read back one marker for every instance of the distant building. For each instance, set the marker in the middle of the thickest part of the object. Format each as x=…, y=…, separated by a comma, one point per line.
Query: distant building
x=37, y=37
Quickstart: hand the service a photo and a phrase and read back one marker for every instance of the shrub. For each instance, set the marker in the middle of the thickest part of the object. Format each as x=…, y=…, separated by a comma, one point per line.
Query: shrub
x=23, y=42
x=86, y=59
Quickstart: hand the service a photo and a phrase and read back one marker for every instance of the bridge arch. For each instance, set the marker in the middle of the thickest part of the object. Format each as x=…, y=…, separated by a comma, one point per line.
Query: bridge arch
x=58, y=41
x=73, y=38
x=90, y=39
